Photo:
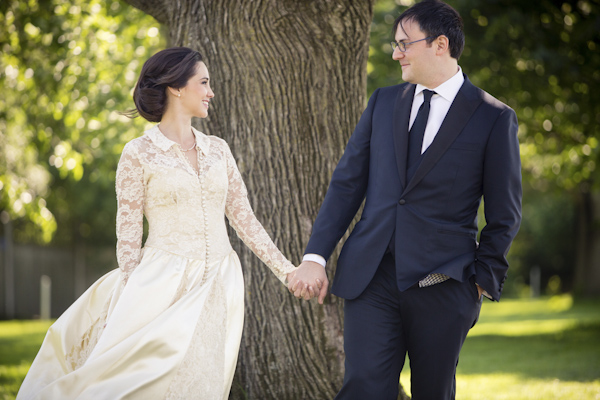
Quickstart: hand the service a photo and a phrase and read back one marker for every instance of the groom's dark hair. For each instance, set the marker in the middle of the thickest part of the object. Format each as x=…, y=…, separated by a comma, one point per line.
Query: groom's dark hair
x=436, y=18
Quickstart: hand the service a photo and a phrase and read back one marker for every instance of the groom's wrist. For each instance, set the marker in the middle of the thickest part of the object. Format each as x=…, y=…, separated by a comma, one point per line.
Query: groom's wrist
x=315, y=258
x=484, y=292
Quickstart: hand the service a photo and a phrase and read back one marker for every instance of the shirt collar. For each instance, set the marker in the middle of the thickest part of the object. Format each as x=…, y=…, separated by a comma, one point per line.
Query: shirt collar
x=449, y=89
x=164, y=143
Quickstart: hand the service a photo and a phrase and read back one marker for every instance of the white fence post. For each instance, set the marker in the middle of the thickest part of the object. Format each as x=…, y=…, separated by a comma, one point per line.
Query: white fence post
x=45, y=297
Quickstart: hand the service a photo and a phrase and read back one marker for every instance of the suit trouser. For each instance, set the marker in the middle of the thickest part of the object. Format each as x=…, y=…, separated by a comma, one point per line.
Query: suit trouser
x=383, y=324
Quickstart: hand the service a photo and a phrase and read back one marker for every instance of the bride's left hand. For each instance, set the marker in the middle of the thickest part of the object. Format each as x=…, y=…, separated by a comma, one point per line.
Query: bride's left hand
x=308, y=293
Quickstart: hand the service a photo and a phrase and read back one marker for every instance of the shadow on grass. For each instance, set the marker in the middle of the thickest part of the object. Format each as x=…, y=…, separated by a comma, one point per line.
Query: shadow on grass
x=569, y=355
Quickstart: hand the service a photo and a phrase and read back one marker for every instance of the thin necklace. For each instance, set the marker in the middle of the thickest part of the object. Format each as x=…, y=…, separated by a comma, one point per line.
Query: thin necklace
x=185, y=151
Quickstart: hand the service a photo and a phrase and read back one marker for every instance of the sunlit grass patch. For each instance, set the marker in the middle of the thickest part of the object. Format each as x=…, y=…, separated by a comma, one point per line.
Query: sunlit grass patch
x=18, y=328
x=20, y=339
x=513, y=387
x=19, y=343
x=11, y=377
x=525, y=327
x=571, y=354
x=531, y=349
x=534, y=316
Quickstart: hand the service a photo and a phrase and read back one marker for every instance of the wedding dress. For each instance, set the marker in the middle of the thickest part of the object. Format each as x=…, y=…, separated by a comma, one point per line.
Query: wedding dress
x=167, y=323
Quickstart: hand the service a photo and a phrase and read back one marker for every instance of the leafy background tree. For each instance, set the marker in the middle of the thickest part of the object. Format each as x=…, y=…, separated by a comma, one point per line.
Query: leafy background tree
x=67, y=69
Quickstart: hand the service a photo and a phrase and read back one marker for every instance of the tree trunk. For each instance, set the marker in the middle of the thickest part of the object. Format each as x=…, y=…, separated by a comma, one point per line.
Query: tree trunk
x=289, y=79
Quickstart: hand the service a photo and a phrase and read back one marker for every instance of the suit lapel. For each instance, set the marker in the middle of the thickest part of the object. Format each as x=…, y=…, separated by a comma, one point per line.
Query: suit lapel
x=466, y=102
x=402, y=109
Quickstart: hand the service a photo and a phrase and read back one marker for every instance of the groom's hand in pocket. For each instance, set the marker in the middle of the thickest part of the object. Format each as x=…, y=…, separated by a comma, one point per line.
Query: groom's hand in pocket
x=309, y=280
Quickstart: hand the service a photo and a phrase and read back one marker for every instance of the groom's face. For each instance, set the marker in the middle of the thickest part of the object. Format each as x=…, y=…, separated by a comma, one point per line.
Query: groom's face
x=418, y=61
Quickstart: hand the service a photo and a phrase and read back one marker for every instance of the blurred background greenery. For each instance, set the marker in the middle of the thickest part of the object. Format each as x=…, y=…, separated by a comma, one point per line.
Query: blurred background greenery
x=67, y=68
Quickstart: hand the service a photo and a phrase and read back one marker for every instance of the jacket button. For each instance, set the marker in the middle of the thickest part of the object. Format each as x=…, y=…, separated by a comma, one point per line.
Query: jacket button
x=402, y=202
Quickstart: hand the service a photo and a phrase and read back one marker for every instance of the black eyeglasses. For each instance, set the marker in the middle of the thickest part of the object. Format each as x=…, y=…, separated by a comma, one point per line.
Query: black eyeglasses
x=402, y=46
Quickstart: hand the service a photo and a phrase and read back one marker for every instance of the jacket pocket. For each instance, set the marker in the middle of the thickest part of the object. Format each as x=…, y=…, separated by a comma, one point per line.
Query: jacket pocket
x=456, y=233
x=465, y=146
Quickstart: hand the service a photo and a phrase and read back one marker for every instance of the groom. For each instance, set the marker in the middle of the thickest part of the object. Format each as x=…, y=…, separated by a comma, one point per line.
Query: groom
x=412, y=273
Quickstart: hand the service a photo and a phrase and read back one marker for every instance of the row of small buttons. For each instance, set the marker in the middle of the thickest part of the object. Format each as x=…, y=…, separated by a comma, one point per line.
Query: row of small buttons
x=206, y=229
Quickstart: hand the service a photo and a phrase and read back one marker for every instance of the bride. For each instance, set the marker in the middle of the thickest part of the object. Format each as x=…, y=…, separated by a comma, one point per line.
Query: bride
x=167, y=323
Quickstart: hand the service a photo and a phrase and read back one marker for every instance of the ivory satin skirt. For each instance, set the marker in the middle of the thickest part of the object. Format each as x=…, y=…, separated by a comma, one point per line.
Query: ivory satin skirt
x=172, y=332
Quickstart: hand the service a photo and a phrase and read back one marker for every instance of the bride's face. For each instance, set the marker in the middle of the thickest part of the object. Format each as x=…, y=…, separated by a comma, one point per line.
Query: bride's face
x=196, y=94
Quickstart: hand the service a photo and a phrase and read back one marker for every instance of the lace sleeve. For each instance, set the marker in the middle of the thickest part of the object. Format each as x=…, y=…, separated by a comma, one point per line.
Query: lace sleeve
x=249, y=229
x=130, y=212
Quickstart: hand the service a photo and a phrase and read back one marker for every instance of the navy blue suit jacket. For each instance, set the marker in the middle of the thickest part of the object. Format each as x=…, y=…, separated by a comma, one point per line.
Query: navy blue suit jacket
x=434, y=214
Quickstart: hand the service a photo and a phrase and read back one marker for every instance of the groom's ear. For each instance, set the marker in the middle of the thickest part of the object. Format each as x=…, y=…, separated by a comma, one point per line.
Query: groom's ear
x=441, y=44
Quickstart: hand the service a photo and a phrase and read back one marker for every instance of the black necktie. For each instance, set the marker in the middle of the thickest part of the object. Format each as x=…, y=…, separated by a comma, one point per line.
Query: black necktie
x=415, y=136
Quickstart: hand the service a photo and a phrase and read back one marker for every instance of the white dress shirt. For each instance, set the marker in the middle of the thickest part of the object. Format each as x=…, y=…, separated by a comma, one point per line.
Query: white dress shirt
x=440, y=104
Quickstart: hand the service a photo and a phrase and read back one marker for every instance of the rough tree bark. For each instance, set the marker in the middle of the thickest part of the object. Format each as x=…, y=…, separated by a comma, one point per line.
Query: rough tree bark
x=289, y=79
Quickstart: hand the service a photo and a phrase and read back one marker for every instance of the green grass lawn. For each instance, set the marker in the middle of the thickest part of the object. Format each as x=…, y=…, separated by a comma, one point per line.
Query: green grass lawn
x=519, y=350
x=19, y=343
x=531, y=349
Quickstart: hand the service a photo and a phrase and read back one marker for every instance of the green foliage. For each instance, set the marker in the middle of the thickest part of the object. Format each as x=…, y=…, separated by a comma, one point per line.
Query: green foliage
x=545, y=240
x=381, y=69
x=541, y=58
x=68, y=68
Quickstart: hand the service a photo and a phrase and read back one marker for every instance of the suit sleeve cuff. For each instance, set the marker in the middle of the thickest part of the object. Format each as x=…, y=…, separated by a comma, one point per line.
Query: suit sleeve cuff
x=315, y=258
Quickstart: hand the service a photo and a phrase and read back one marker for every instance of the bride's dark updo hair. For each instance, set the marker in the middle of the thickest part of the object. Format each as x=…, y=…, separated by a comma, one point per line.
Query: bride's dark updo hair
x=171, y=67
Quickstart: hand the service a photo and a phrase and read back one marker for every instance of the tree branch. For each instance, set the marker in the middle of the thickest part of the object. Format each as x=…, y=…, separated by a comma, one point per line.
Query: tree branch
x=159, y=9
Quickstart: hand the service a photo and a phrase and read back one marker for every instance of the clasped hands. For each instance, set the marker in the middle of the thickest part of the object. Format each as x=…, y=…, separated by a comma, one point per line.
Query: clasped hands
x=308, y=281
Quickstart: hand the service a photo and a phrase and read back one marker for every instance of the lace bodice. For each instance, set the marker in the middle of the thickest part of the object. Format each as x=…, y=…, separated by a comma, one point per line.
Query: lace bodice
x=185, y=209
